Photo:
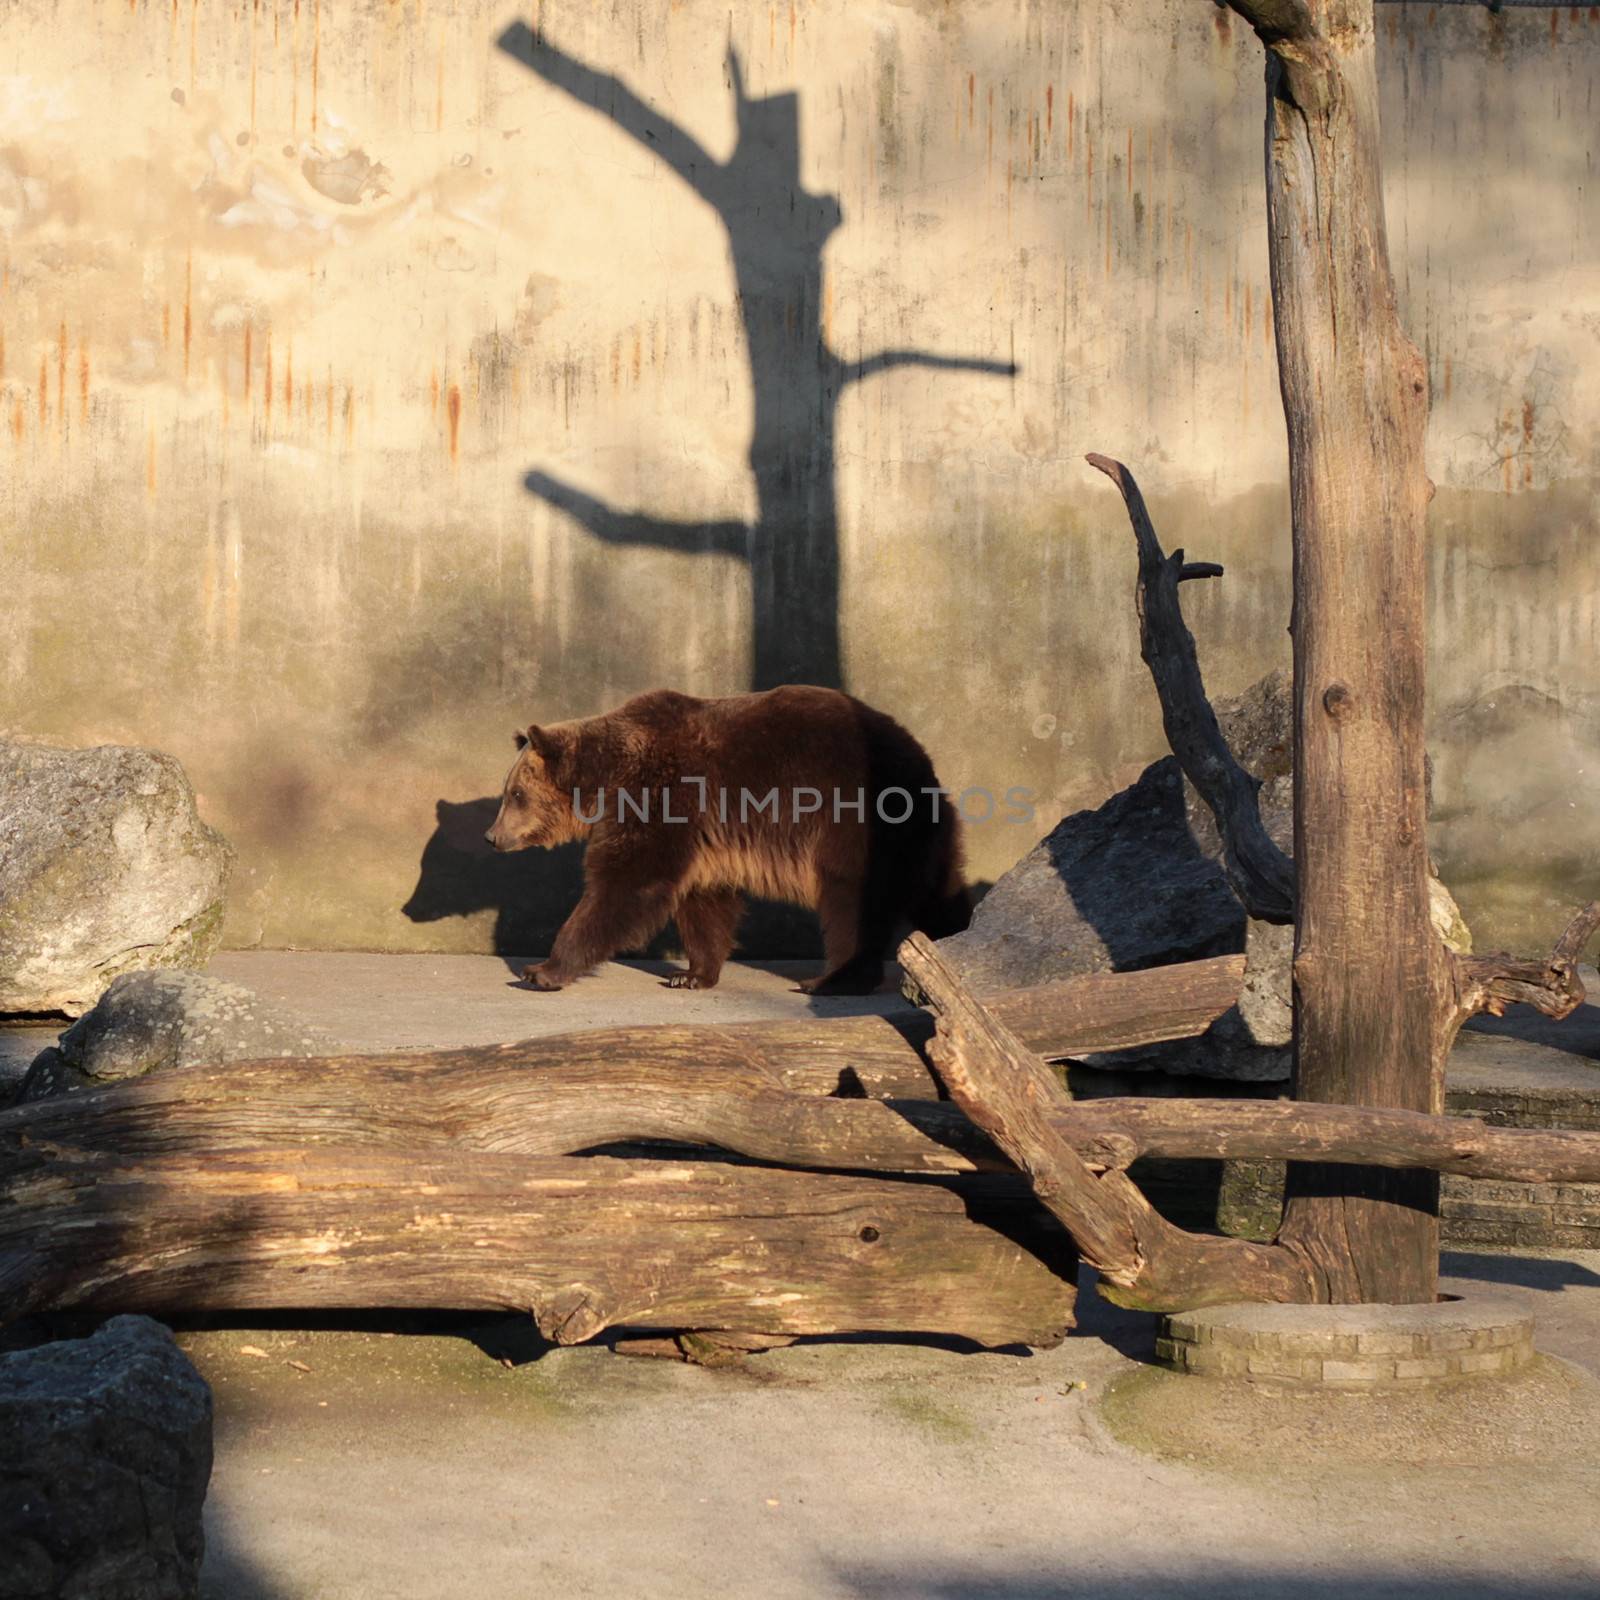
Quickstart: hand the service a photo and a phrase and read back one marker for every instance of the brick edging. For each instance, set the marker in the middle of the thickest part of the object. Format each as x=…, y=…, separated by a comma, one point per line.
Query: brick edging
x=1350, y=1347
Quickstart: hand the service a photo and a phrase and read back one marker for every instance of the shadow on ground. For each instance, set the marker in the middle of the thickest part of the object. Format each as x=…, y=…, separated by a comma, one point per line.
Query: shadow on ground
x=996, y=1583
x=532, y=892
x=1552, y=1274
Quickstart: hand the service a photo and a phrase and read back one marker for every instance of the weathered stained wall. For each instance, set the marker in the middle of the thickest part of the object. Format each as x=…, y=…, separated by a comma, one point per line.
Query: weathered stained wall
x=370, y=388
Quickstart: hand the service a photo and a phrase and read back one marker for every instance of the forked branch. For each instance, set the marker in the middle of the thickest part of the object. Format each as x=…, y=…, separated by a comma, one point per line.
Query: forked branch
x=1143, y=1259
x=1259, y=872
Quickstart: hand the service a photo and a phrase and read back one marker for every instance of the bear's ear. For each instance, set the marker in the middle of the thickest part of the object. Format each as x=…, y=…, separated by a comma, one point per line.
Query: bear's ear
x=537, y=740
x=521, y=739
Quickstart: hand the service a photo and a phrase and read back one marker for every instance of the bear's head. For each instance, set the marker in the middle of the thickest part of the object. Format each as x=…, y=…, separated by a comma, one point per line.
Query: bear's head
x=537, y=805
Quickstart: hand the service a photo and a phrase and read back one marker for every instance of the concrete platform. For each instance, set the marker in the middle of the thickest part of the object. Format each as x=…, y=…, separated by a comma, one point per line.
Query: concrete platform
x=392, y=1002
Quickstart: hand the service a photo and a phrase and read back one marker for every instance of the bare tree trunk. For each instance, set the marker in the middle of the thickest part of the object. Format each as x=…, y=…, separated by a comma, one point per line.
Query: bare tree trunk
x=1373, y=985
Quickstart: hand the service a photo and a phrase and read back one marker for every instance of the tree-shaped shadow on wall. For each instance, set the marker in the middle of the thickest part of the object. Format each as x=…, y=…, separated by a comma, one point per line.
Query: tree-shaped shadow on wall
x=776, y=234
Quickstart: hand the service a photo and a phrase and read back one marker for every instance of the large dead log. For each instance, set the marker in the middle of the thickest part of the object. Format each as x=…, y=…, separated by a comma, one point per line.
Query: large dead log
x=472, y=1100
x=876, y=1056
x=468, y=1100
x=581, y=1244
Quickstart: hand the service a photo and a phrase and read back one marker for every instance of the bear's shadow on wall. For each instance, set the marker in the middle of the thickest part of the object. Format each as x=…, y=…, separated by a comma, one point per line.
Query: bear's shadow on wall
x=531, y=892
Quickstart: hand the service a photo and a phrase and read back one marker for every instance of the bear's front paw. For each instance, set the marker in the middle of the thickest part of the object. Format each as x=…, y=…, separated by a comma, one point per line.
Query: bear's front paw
x=543, y=976
x=688, y=980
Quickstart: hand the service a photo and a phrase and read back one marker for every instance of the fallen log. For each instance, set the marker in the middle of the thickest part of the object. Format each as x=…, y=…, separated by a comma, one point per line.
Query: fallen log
x=581, y=1244
x=437, y=1103
x=876, y=1056
x=433, y=1103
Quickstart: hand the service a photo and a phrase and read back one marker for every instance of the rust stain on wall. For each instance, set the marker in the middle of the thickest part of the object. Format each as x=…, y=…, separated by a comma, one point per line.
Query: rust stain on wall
x=438, y=91
x=61, y=377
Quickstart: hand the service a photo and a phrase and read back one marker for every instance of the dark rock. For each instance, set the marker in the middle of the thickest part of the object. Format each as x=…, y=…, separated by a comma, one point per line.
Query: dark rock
x=105, y=867
x=149, y=1021
x=1122, y=887
x=105, y=1454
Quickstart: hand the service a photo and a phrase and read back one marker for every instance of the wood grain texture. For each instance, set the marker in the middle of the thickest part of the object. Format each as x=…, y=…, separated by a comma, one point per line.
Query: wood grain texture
x=581, y=1244
x=1371, y=976
x=433, y=1104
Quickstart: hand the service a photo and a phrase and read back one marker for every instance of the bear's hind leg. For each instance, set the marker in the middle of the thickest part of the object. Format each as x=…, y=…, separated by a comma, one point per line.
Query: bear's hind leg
x=708, y=920
x=855, y=937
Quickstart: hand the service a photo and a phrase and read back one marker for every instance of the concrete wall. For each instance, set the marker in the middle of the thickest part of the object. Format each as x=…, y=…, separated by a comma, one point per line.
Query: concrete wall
x=370, y=389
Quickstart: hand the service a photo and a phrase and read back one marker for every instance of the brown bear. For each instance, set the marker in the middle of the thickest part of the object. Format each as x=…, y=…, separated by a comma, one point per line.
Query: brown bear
x=798, y=794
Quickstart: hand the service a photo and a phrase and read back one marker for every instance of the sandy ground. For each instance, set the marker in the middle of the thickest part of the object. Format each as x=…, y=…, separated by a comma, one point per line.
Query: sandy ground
x=467, y=1463
x=430, y=1459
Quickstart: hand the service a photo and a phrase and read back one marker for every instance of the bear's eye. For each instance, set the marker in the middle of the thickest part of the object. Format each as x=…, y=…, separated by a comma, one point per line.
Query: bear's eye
x=519, y=797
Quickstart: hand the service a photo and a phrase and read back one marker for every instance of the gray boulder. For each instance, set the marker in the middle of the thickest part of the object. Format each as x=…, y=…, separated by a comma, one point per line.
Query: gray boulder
x=105, y=867
x=147, y=1021
x=105, y=1454
x=1139, y=883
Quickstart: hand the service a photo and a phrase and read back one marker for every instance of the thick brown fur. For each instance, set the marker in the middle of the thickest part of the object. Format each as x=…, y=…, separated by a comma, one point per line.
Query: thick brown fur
x=864, y=876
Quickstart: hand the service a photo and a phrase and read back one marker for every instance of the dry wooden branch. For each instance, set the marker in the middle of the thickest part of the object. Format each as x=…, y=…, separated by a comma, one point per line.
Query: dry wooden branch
x=1116, y=1131
x=583, y=1244
x=1143, y=1260
x=1258, y=871
x=1492, y=982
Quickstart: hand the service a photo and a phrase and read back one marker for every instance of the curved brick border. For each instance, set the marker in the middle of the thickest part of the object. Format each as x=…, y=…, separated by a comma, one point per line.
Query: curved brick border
x=1350, y=1347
